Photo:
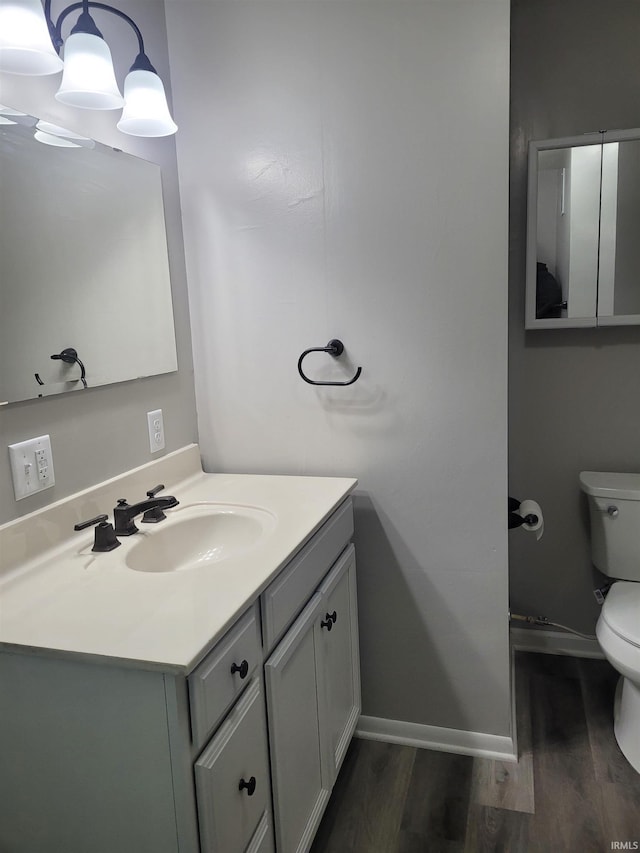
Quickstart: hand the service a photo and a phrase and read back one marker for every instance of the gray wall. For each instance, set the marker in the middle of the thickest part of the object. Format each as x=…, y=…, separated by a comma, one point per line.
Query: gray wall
x=343, y=171
x=101, y=432
x=574, y=395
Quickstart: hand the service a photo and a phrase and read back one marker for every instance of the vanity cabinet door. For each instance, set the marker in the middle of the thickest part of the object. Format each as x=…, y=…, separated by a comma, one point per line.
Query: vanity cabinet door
x=232, y=779
x=298, y=772
x=262, y=841
x=339, y=672
x=313, y=705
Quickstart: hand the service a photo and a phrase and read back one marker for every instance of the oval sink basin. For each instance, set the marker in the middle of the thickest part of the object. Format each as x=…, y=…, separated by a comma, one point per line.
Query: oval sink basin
x=199, y=536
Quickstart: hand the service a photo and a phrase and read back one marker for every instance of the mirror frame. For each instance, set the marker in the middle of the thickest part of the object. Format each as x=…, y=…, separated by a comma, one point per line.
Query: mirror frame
x=535, y=146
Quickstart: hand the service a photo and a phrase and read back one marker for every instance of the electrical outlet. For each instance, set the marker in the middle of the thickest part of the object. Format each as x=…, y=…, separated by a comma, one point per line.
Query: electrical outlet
x=31, y=466
x=156, y=430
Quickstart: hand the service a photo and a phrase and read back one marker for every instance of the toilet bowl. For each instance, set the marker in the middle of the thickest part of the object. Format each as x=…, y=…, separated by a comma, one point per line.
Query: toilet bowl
x=618, y=632
x=614, y=507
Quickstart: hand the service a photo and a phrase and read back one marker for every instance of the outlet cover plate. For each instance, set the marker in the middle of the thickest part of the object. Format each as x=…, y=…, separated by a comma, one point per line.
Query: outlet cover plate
x=156, y=430
x=31, y=466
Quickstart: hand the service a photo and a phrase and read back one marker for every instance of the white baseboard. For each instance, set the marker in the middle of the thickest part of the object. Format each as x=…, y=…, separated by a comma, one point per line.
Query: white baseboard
x=553, y=643
x=435, y=737
x=478, y=744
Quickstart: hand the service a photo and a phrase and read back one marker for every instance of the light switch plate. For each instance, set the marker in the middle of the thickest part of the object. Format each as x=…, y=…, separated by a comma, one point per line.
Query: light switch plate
x=31, y=466
x=156, y=430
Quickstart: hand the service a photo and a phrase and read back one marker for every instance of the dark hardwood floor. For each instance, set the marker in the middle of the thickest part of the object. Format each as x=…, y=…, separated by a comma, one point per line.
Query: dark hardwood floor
x=572, y=791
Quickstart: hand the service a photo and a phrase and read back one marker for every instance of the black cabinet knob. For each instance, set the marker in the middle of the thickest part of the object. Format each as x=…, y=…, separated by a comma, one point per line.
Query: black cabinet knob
x=242, y=670
x=331, y=618
x=250, y=786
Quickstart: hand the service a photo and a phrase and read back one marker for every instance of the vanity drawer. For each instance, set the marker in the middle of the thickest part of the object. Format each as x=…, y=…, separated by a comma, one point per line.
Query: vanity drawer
x=232, y=780
x=223, y=674
x=286, y=596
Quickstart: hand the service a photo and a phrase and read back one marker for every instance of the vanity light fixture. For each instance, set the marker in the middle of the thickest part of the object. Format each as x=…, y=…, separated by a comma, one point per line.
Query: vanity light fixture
x=88, y=79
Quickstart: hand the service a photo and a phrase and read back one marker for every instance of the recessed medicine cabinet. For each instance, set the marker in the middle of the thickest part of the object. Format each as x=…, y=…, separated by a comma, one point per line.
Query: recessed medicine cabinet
x=583, y=231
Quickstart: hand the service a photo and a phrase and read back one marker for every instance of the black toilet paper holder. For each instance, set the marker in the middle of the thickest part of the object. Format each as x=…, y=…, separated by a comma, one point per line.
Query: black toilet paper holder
x=515, y=520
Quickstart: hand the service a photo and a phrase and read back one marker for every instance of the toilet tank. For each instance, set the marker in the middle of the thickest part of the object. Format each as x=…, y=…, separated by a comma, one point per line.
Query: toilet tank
x=614, y=506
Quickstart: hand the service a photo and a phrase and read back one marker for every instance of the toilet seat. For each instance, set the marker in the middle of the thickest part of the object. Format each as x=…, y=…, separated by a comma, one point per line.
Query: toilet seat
x=621, y=611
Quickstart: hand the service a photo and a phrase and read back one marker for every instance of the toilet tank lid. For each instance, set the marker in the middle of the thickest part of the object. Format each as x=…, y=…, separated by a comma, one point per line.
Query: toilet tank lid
x=611, y=485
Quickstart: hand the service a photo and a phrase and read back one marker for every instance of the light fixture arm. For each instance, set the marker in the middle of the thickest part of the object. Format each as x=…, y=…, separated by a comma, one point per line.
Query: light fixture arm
x=55, y=29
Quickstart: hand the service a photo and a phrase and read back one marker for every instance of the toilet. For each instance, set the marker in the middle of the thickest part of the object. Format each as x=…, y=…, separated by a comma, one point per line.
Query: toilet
x=614, y=506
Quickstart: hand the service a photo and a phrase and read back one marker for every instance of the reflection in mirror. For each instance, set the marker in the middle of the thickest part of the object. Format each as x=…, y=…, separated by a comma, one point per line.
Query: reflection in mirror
x=567, y=232
x=583, y=251
x=619, y=279
x=83, y=268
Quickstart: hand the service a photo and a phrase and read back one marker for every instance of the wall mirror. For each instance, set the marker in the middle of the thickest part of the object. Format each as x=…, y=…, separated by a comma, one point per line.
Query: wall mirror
x=83, y=267
x=583, y=231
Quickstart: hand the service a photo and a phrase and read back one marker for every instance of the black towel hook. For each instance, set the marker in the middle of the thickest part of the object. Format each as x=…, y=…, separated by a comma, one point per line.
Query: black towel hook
x=334, y=348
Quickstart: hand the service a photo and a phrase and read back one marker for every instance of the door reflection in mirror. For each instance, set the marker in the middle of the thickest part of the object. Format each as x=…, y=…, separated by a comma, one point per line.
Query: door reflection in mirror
x=619, y=274
x=583, y=246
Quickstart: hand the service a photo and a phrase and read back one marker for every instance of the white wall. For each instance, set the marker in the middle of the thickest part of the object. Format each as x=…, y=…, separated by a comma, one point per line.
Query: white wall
x=563, y=271
x=608, y=229
x=343, y=171
x=101, y=432
x=547, y=218
x=584, y=192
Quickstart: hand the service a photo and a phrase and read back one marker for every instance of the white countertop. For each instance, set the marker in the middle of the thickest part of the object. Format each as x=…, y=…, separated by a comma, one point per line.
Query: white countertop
x=57, y=596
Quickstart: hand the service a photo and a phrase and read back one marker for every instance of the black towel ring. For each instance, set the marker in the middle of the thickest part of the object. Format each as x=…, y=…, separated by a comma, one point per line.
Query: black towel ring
x=334, y=348
x=69, y=356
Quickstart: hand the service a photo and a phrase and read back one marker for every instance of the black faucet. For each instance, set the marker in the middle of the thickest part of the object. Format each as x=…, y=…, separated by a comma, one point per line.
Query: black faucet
x=124, y=513
x=105, y=537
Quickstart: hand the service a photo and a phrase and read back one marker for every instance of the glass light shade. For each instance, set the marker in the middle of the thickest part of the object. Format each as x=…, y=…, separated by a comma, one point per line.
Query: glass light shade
x=57, y=141
x=56, y=130
x=49, y=129
x=25, y=43
x=9, y=111
x=145, y=110
x=88, y=80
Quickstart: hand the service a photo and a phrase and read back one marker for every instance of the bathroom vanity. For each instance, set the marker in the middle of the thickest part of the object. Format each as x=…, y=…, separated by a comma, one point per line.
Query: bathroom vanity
x=178, y=707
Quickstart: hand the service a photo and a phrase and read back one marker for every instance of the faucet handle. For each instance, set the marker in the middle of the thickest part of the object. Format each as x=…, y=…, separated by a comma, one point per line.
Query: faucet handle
x=154, y=491
x=105, y=538
x=81, y=525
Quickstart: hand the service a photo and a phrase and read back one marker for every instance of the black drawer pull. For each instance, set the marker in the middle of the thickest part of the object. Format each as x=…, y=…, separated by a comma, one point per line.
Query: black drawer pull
x=242, y=670
x=333, y=616
x=250, y=786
